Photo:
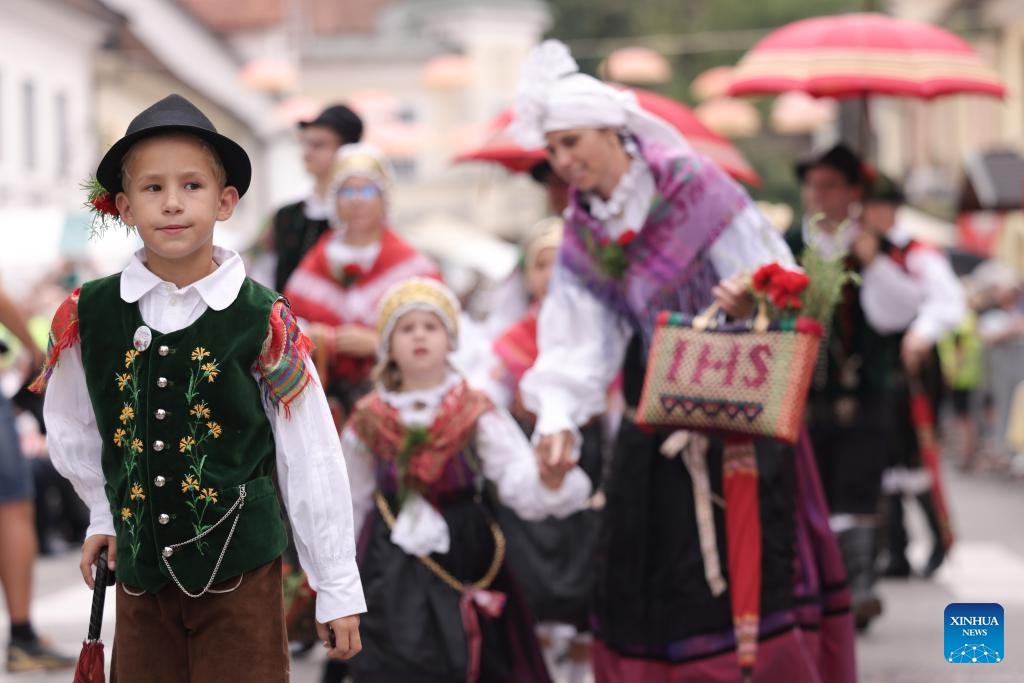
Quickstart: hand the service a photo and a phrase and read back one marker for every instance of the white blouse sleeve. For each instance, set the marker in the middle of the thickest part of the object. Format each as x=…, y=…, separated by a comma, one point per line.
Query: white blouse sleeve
x=508, y=461
x=73, y=439
x=747, y=243
x=361, y=477
x=581, y=346
x=945, y=303
x=315, y=487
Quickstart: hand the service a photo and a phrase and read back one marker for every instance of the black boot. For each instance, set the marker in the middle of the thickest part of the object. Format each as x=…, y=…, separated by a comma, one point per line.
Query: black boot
x=927, y=502
x=858, y=548
x=896, y=565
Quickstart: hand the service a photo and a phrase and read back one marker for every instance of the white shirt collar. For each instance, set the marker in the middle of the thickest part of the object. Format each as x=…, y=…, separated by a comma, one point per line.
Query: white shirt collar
x=218, y=290
x=420, y=406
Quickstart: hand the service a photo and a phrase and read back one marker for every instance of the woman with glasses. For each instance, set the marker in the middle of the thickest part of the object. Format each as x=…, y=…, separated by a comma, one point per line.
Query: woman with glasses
x=339, y=283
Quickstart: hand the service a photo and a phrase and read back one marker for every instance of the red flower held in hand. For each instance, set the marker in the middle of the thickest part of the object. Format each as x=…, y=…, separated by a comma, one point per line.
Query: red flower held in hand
x=764, y=276
x=104, y=203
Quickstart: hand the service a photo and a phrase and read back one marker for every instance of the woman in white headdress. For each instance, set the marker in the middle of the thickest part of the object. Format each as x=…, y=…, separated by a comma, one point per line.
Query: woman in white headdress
x=653, y=226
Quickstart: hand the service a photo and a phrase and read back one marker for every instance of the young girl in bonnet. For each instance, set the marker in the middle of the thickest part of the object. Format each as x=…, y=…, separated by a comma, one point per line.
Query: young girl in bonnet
x=420, y=449
x=653, y=226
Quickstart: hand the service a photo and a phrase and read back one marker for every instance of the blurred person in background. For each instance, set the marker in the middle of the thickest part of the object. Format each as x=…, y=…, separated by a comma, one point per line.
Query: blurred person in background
x=296, y=227
x=340, y=282
x=848, y=411
x=553, y=559
x=1001, y=328
x=18, y=545
x=961, y=353
x=920, y=300
x=684, y=235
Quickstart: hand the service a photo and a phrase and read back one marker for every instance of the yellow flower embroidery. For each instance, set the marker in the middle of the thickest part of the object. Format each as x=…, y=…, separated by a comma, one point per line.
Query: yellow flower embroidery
x=127, y=413
x=214, y=429
x=200, y=410
x=122, y=381
x=189, y=482
x=126, y=514
x=199, y=353
x=137, y=445
x=129, y=357
x=210, y=370
x=119, y=436
x=137, y=493
x=186, y=444
x=210, y=494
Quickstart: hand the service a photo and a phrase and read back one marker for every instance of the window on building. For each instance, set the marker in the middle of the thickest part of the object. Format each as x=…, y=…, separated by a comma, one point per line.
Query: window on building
x=62, y=139
x=28, y=93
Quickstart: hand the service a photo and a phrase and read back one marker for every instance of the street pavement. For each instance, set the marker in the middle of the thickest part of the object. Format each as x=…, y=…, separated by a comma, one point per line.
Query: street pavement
x=905, y=645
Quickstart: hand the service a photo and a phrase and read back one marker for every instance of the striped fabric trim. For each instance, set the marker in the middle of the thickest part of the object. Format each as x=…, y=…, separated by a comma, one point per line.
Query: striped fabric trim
x=284, y=372
x=64, y=333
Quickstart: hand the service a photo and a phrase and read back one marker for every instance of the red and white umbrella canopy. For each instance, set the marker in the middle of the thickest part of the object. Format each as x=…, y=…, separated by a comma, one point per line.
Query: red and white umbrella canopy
x=854, y=55
x=500, y=147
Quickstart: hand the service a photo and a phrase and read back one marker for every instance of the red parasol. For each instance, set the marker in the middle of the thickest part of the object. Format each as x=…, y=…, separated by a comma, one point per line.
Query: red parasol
x=743, y=547
x=854, y=55
x=502, y=148
x=90, y=661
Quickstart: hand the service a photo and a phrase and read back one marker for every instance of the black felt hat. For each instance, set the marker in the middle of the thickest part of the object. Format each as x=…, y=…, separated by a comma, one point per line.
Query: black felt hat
x=839, y=157
x=342, y=120
x=175, y=113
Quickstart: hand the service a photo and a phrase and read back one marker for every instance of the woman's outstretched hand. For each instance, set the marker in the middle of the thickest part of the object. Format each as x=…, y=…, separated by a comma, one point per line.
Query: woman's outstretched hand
x=733, y=296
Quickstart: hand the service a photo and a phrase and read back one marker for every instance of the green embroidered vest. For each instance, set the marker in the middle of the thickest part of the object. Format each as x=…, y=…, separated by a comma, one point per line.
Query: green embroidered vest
x=183, y=427
x=862, y=363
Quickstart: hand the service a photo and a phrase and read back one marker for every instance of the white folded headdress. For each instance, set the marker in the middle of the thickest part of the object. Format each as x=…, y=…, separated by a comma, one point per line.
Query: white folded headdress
x=553, y=95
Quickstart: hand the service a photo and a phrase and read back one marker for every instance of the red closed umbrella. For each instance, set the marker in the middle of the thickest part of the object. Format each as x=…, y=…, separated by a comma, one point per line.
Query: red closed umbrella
x=90, y=660
x=854, y=55
x=502, y=148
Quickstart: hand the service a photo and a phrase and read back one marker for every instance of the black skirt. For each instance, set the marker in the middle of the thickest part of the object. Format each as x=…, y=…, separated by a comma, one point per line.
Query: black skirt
x=413, y=632
x=553, y=559
x=652, y=599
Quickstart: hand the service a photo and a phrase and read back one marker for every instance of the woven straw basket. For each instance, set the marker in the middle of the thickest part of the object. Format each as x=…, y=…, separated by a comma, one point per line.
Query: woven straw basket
x=739, y=379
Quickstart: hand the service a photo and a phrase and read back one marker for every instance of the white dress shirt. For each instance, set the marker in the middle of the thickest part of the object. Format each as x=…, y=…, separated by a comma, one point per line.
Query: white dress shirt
x=310, y=466
x=506, y=458
x=582, y=342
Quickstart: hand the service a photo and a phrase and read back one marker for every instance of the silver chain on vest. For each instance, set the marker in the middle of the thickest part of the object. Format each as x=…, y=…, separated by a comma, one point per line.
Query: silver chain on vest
x=238, y=505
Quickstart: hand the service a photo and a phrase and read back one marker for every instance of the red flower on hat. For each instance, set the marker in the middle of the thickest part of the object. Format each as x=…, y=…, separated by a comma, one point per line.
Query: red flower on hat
x=104, y=203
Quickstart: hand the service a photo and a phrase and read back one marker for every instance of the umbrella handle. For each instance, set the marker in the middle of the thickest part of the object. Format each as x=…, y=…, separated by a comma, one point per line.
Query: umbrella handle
x=99, y=594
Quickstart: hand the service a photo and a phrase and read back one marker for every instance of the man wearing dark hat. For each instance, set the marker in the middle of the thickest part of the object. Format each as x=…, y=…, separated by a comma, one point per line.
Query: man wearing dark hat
x=296, y=227
x=178, y=389
x=850, y=408
x=932, y=304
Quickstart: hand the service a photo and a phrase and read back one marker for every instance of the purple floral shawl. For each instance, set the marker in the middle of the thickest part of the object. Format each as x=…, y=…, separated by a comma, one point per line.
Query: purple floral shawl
x=694, y=201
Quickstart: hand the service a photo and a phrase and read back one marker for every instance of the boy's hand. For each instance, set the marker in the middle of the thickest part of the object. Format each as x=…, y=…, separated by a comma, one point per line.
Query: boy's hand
x=91, y=552
x=341, y=637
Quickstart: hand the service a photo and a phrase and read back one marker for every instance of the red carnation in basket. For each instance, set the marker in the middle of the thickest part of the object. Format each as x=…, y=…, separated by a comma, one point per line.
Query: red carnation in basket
x=764, y=276
x=626, y=238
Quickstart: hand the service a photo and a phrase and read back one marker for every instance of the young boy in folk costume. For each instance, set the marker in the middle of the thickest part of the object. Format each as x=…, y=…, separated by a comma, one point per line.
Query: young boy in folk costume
x=553, y=559
x=419, y=450
x=176, y=389
x=338, y=286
